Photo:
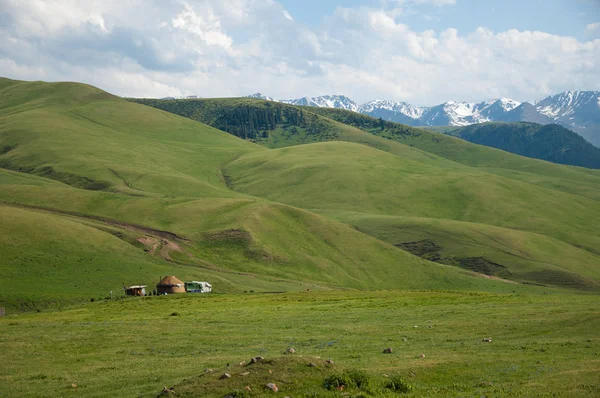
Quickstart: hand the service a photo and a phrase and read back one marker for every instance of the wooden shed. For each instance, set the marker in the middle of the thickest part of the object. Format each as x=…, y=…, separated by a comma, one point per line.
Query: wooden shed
x=137, y=290
x=169, y=285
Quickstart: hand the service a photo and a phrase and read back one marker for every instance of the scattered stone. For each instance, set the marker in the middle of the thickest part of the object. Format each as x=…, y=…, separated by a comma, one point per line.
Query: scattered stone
x=422, y=356
x=415, y=326
x=290, y=351
x=244, y=374
x=272, y=386
x=248, y=388
x=412, y=374
x=388, y=350
x=167, y=391
x=225, y=376
x=256, y=359
x=487, y=340
x=242, y=363
x=312, y=365
x=75, y=385
x=329, y=361
x=270, y=371
x=386, y=375
x=404, y=339
x=317, y=357
x=208, y=371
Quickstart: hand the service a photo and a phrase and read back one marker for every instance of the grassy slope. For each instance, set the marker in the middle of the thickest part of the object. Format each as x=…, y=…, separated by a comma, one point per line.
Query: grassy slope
x=575, y=180
x=529, y=257
x=149, y=168
x=49, y=259
x=315, y=127
x=439, y=177
x=334, y=177
x=543, y=345
x=420, y=144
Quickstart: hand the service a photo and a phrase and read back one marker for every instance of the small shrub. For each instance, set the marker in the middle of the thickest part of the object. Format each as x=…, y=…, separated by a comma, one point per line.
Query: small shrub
x=174, y=313
x=92, y=299
x=349, y=379
x=398, y=384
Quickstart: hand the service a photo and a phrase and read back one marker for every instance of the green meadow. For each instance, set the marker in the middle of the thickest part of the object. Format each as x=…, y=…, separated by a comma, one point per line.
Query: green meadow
x=319, y=230
x=542, y=345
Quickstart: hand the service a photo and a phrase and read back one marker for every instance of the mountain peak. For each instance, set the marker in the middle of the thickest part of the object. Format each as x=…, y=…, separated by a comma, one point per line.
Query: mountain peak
x=326, y=101
x=260, y=96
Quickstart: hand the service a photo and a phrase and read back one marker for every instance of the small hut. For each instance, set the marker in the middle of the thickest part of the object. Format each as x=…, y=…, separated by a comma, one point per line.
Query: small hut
x=138, y=290
x=198, y=287
x=169, y=285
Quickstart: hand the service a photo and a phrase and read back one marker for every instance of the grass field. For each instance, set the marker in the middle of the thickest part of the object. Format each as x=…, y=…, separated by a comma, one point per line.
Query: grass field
x=542, y=344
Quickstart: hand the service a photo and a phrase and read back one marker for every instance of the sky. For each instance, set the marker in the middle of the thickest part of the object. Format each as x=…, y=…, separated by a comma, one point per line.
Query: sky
x=424, y=52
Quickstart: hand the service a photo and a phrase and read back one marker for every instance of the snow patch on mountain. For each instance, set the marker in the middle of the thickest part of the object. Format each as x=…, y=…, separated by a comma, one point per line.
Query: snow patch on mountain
x=260, y=96
x=508, y=104
x=403, y=108
x=325, y=101
x=566, y=103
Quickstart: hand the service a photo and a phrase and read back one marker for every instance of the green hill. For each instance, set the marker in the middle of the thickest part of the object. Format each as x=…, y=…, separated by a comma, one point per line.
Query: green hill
x=312, y=125
x=338, y=178
x=98, y=192
x=438, y=178
x=545, y=174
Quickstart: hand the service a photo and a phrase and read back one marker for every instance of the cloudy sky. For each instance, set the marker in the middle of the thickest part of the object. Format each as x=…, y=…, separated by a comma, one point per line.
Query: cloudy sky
x=420, y=51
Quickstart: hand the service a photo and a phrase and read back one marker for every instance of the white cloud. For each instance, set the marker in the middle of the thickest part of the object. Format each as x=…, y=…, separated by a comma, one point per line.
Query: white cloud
x=287, y=15
x=205, y=25
x=209, y=48
x=592, y=27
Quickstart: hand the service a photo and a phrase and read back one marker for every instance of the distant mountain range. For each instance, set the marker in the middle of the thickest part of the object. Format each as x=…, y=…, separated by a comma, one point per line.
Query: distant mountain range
x=578, y=111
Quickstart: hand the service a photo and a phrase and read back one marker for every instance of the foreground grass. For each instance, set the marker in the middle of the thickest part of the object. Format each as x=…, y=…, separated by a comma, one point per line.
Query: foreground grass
x=545, y=344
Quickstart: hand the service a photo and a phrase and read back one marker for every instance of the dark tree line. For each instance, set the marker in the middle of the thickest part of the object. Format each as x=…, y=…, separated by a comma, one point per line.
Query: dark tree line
x=552, y=142
x=249, y=121
x=242, y=119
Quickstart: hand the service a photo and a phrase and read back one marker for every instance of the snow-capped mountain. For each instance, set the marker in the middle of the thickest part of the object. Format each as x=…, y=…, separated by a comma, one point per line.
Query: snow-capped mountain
x=404, y=108
x=325, y=101
x=260, y=96
x=388, y=110
x=576, y=110
x=460, y=113
x=569, y=103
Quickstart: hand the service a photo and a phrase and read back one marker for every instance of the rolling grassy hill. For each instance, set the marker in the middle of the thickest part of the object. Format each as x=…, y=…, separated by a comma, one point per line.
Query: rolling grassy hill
x=328, y=124
x=141, y=192
x=338, y=178
x=487, y=202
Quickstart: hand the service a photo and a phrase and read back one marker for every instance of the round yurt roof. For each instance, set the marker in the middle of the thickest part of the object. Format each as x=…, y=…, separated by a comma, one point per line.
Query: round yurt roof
x=170, y=281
